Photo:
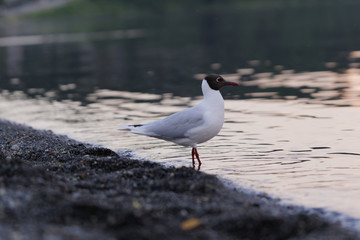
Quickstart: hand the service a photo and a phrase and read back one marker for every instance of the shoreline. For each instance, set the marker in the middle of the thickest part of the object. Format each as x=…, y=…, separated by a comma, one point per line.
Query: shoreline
x=53, y=186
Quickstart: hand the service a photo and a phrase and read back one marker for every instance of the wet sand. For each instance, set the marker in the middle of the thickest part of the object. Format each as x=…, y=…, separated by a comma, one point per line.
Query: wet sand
x=53, y=187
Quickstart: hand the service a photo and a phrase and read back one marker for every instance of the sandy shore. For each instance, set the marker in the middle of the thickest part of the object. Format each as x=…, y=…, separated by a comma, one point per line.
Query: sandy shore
x=52, y=187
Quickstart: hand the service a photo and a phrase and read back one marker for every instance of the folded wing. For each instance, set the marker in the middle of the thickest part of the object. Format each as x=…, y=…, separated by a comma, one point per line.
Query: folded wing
x=174, y=126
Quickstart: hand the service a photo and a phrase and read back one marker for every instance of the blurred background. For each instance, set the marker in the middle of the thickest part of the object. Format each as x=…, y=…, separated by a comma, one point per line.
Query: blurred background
x=84, y=67
x=130, y=45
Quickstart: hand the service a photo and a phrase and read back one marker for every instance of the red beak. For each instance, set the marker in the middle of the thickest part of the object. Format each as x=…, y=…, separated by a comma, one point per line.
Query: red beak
x=231, y=83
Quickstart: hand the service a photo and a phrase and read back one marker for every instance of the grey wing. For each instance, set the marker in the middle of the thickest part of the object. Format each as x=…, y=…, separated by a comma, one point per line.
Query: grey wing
x=176, y=125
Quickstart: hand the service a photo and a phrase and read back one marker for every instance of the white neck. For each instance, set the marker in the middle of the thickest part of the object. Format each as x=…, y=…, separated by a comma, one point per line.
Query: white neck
x=210, y=94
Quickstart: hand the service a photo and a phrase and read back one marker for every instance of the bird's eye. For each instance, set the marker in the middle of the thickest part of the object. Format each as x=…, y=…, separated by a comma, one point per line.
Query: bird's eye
x=218, y=79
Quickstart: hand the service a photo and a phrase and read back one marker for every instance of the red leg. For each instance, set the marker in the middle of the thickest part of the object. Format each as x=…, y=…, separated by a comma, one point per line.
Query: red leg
x=193, y=156
x=197, y=156
x=194, y=153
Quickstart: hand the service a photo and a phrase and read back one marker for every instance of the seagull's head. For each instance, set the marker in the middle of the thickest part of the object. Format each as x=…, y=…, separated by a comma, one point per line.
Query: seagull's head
x=216, y=81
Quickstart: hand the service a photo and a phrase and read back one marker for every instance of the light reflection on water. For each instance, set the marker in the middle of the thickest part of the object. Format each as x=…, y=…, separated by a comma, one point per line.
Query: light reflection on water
x=69, y=37
x=304, y=150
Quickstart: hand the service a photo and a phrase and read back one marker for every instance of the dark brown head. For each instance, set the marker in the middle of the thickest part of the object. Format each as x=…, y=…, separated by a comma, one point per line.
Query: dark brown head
x=216, y=81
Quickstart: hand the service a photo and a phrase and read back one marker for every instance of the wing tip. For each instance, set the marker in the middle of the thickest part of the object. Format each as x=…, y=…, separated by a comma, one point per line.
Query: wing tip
x=129, y=127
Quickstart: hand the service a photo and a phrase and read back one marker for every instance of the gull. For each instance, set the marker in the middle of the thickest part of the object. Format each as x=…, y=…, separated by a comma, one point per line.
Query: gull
x=194, y=125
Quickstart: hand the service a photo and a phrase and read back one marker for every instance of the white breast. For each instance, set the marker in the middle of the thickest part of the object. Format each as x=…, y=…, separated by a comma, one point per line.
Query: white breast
x=212, y=108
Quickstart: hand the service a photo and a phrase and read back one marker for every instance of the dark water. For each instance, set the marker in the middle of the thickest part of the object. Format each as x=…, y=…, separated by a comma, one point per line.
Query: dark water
x=291, y=128
x=170, y=47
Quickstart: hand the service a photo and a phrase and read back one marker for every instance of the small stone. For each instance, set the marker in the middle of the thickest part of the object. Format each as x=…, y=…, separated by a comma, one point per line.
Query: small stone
x=15, y=147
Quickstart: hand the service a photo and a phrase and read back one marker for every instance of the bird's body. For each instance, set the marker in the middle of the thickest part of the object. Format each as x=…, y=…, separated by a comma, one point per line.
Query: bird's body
x=194, y=125
x=191, y=126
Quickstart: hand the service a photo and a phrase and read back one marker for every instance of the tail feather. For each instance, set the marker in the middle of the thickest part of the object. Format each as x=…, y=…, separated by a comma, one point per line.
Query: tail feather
x=138, y=129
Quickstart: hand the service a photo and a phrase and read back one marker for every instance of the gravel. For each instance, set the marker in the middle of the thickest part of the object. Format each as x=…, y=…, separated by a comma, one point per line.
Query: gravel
x=53, y=187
